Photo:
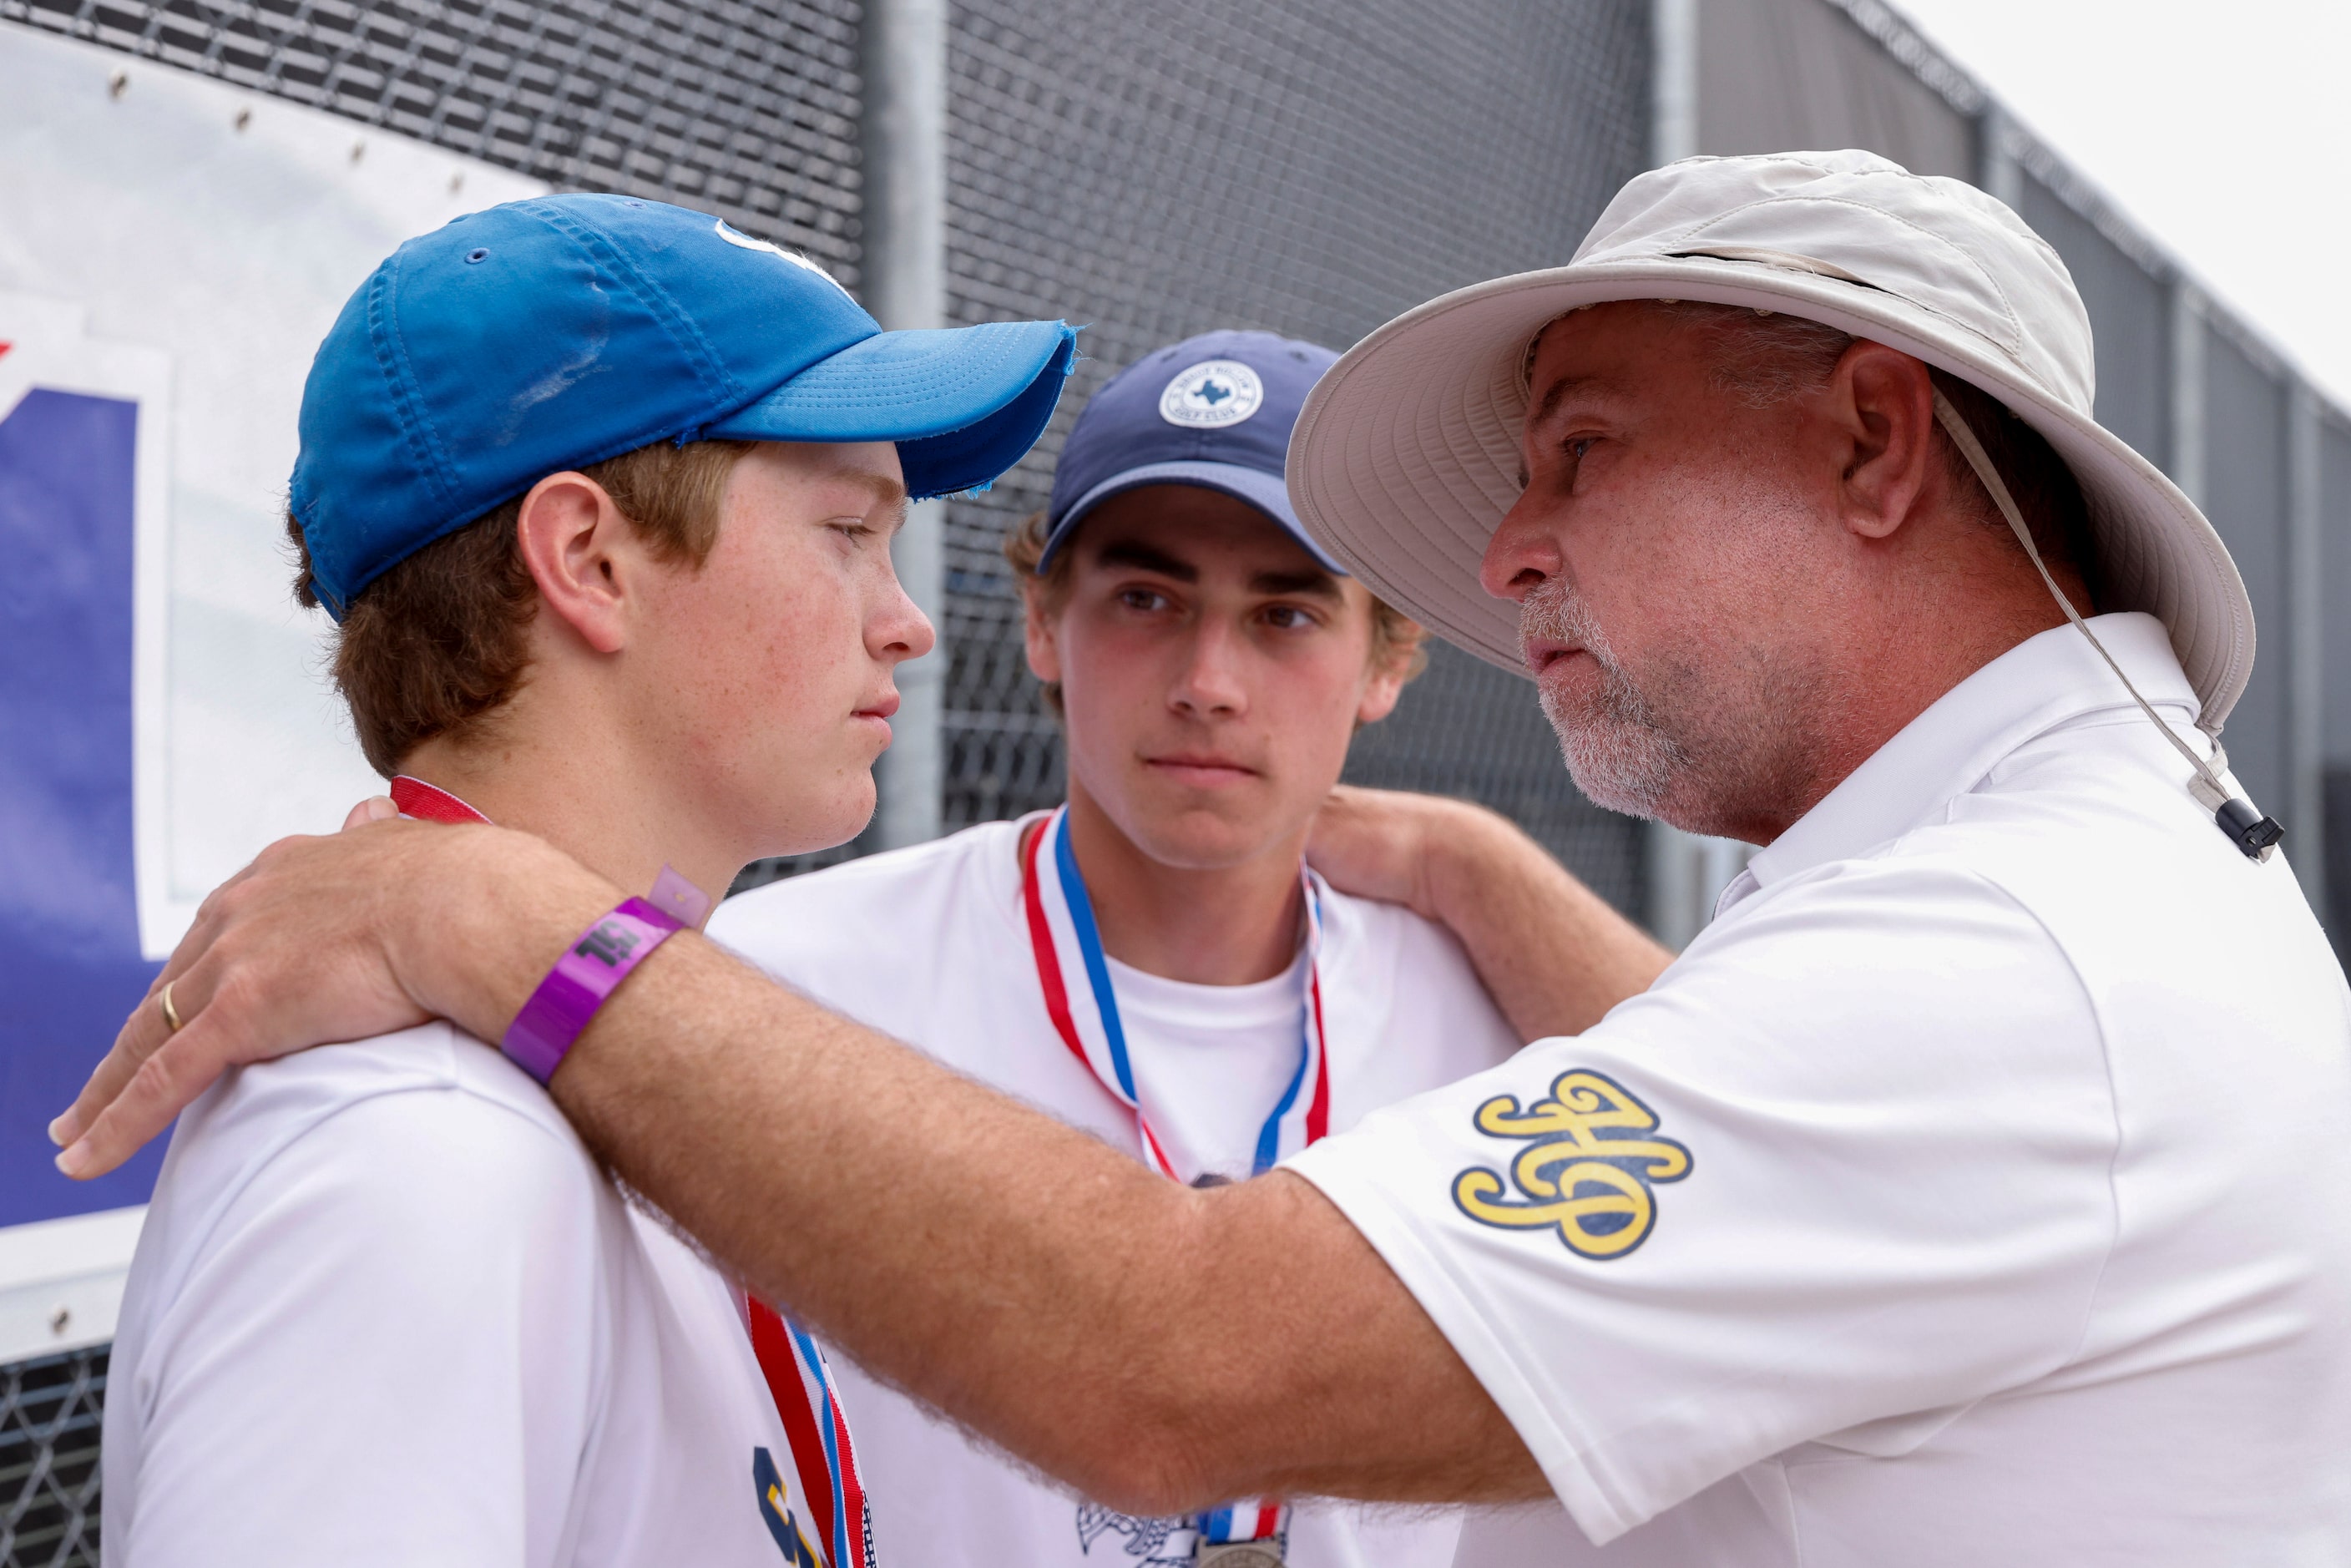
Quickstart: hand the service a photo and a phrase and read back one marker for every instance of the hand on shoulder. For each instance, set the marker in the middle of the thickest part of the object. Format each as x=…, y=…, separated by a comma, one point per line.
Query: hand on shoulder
x=370, y=930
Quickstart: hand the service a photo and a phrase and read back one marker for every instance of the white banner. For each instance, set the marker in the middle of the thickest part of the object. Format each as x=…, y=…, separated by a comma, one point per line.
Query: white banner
x=199, y=240
x=172, y=250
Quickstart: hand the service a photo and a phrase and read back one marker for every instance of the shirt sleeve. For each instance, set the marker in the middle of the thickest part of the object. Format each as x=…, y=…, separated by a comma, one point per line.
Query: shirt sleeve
x=383, y=1350
x=1843, y=1171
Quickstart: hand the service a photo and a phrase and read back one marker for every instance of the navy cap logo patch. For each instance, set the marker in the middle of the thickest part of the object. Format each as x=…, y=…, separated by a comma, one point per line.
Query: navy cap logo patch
x=1212, y=394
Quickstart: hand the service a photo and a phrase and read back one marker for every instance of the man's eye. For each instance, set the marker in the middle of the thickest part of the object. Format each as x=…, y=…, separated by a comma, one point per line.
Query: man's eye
x=1140, y=599
x=1576, y=448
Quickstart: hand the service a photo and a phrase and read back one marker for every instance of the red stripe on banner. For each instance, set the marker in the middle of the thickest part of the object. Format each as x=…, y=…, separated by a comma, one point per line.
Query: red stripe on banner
x=773, y=1346
x=417, y=799
x=1269, y=1518
x=1317, y=1110
x=1048, y=964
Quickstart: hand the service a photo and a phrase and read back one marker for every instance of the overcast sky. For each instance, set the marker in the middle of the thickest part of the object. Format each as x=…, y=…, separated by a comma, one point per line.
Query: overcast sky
x=2224, y=132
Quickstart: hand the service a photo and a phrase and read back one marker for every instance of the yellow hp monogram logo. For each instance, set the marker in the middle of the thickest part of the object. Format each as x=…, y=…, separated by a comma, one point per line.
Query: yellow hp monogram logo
x=1587, y=1168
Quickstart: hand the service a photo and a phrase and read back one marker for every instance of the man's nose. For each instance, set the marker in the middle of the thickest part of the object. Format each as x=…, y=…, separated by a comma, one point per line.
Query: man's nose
x=1522, y=555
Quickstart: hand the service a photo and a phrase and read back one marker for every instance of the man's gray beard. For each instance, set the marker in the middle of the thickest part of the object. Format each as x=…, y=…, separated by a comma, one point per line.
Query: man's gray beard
x=1617, y=751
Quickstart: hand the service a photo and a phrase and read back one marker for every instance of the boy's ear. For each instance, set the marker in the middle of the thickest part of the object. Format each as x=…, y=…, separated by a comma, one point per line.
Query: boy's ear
x=579, y=549
x=1039, y=632
x=1387, y=671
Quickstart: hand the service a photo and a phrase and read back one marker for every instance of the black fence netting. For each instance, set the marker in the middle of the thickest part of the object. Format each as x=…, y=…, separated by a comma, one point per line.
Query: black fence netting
x=747, y=108
x=1155, y=171
x=50, y=1410
x=1149, y=169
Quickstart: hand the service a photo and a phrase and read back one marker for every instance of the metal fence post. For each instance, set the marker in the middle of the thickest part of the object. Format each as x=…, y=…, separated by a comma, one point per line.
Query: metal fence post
x=1999, y=172
x=1684, y=871
x=2186, y=458
x=2306, y=646
x=1672, y=84
x=905, y=286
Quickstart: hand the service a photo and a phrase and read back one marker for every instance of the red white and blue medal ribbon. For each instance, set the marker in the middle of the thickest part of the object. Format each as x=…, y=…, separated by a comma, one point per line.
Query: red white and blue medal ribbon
x=1061, y=924
x=797, y=1378
x=802, y=1386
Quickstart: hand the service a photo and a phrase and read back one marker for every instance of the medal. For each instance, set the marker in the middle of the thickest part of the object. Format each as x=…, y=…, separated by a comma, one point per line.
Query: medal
x=1245, y=1534
x=1238, y=1554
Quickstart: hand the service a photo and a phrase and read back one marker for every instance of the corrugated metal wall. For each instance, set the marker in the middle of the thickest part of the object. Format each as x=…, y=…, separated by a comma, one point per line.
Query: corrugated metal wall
x=2214, y=411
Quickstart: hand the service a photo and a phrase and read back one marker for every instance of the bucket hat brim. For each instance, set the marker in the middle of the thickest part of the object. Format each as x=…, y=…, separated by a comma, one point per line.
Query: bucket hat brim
x=1406, y=456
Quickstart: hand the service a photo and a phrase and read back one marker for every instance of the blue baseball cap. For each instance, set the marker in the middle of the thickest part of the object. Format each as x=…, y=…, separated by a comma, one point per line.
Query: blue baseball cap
x=556, y=332
x=1213, y=411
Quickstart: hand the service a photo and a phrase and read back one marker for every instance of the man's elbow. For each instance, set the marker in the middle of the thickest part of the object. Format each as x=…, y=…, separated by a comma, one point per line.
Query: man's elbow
x=1150, y=1469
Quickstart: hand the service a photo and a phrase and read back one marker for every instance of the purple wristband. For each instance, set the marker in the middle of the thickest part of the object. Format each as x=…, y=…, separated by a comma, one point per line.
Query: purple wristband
x=590, y=970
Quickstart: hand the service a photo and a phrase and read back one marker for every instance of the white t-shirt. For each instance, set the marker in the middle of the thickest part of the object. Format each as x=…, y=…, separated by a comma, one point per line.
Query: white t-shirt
x=1977, y=1189
x=930, y=945
x=387, y=1311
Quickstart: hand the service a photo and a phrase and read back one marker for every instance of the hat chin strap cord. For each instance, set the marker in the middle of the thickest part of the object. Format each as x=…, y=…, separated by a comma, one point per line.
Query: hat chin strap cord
x=2255, y=835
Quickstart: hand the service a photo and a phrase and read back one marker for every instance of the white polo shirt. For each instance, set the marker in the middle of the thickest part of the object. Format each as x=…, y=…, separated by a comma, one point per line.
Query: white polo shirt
x=931, y=945
x=1977, y=1189
x=386, y=1310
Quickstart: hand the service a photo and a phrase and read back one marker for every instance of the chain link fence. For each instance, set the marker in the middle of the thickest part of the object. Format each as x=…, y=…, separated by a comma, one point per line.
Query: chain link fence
x=50, y=1410
x=1311, y=169
x=1149, y=169
x=746, y=108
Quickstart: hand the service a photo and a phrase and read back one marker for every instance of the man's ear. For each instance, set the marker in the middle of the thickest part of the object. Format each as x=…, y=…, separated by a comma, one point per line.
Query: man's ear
x=1039, y=632
x=1882, y=404
x=581, y=552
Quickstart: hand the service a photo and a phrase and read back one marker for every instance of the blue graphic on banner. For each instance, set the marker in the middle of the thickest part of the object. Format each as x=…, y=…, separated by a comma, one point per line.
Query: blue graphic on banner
x=70, y=961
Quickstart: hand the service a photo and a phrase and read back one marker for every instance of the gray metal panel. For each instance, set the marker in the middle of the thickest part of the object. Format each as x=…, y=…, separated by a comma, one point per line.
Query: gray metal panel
x=1777, y=75
x=2334, y=640
x=2245, y=497
x=2131, y=321
x=2334, y=600
x=1311, y=168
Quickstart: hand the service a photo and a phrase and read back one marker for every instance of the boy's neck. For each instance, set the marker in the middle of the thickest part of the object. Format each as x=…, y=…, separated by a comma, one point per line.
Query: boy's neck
x=1228, y=927
x=583, y=803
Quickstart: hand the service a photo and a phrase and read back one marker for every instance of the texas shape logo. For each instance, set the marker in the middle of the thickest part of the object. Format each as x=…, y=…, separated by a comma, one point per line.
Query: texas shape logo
x=1212, y=394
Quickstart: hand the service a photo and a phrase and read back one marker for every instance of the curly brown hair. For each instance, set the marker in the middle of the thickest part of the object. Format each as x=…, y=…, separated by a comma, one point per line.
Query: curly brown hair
x=438, y=643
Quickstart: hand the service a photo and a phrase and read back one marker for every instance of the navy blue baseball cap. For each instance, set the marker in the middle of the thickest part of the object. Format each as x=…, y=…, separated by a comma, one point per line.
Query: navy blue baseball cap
x=1213, y=411
x=552, y=333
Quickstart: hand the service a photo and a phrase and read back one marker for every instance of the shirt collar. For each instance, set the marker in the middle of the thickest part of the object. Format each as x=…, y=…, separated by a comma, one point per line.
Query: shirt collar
x=2044, y=682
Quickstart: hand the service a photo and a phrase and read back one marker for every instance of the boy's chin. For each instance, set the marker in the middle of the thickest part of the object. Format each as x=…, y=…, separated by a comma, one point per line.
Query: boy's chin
x=821, y=825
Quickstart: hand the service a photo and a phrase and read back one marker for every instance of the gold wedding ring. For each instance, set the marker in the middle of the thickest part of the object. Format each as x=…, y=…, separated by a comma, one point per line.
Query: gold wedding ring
x=170, y=1013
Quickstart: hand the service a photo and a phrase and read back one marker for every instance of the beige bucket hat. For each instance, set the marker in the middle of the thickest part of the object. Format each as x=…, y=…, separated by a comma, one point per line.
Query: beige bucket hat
x=1407, y=454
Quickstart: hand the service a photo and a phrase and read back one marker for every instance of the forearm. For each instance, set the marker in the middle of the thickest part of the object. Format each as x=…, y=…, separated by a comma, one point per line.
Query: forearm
x=1552, y=953
x=1157, y=1347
